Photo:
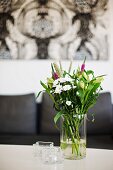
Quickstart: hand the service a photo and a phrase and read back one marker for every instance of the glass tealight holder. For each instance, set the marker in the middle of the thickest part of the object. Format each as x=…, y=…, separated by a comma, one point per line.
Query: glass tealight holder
x=38, y=147
x=52, y=155
x=44, y=144
x=35, y=150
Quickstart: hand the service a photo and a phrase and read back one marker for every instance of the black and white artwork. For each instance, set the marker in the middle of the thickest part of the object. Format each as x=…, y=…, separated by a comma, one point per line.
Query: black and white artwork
x=54, y=29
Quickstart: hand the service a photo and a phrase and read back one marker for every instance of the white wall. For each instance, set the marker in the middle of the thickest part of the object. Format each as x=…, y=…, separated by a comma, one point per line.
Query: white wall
x=20, y=77
x=24, y=76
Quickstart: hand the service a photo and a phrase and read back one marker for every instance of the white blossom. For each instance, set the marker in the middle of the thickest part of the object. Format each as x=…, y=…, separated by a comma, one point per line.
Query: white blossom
x=58, y=89
x=55, y=83
x=62, y=80
x=77, y=93
x=68, y=79
x=74, y=87
x=68, y=103
x=66, y=87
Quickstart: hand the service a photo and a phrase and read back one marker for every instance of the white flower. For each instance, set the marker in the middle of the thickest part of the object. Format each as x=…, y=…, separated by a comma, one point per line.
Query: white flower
x=55, y=83
x=77, y=93
x=62, y=80
x=68, y=103
x=66, y=87
x=68, y=79
x=58, y=89
x=74, y=87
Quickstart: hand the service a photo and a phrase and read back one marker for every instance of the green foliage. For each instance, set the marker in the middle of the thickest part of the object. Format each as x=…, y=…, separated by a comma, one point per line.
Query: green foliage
x=72, y=93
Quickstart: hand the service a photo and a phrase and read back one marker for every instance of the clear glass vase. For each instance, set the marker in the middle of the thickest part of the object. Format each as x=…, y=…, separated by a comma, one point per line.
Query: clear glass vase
x=73, y=137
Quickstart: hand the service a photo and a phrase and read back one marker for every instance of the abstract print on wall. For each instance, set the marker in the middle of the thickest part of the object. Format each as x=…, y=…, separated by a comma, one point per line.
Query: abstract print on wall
x=54, y=29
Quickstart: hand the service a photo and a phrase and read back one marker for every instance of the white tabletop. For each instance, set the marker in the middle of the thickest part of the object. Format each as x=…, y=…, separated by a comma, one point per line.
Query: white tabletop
x=19, y=157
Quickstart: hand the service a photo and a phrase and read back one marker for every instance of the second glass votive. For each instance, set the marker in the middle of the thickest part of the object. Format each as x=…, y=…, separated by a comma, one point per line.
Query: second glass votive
x=39, y=147
x=52, y=155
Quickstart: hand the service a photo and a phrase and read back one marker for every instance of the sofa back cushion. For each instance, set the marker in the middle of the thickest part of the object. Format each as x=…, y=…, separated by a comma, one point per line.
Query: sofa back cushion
x=103, y=115
x=18, y=114
x=47, y=125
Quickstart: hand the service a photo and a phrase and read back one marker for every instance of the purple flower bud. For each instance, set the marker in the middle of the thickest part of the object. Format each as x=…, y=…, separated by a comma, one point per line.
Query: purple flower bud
x=55, y=76
x=83, y=67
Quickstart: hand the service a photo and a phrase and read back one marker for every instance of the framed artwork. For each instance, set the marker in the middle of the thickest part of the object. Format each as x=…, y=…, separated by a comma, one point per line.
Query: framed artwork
x=54, y=29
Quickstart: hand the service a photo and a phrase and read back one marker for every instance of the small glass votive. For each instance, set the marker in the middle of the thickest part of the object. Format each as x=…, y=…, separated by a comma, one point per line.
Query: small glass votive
x=52, y=155
x=35, y=150
x=44, y=144
x=38, y=147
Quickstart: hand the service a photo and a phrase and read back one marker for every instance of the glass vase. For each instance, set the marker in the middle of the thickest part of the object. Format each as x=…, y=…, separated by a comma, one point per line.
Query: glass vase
x=73, y=137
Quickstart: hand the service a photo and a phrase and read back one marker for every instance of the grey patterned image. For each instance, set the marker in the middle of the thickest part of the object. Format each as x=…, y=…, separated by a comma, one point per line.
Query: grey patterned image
x=54, y=29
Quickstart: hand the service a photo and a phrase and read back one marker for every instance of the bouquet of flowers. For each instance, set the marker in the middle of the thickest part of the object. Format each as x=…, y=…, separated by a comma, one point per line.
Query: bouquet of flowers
x=72, y=94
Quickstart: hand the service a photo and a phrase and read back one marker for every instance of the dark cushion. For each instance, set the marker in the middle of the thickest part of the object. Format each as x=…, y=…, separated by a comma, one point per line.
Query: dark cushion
x=103, y=116
x=100, y=141
x=18, y=114
x=47, y=125
x=28, y=139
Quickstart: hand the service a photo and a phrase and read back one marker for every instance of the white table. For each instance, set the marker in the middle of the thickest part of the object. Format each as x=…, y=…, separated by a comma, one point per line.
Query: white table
x=19, y=157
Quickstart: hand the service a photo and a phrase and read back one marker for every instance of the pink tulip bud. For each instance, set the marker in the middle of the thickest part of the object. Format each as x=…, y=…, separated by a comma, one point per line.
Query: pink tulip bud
x=82, y=67
x=55, y=76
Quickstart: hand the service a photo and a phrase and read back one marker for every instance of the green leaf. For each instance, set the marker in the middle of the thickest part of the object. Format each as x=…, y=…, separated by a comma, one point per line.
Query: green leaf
x=81, y=94
x=101, y=76
x=58, y=115
x=91, y=89
x=64, y=73
x=45, y=87
x=90, y=72
x=39, y=93
x=95, y=87
x=52, y=68
x=48, y=91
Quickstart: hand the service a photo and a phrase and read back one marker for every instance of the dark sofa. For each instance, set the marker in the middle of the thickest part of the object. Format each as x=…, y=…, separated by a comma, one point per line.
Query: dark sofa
x=23, y=121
